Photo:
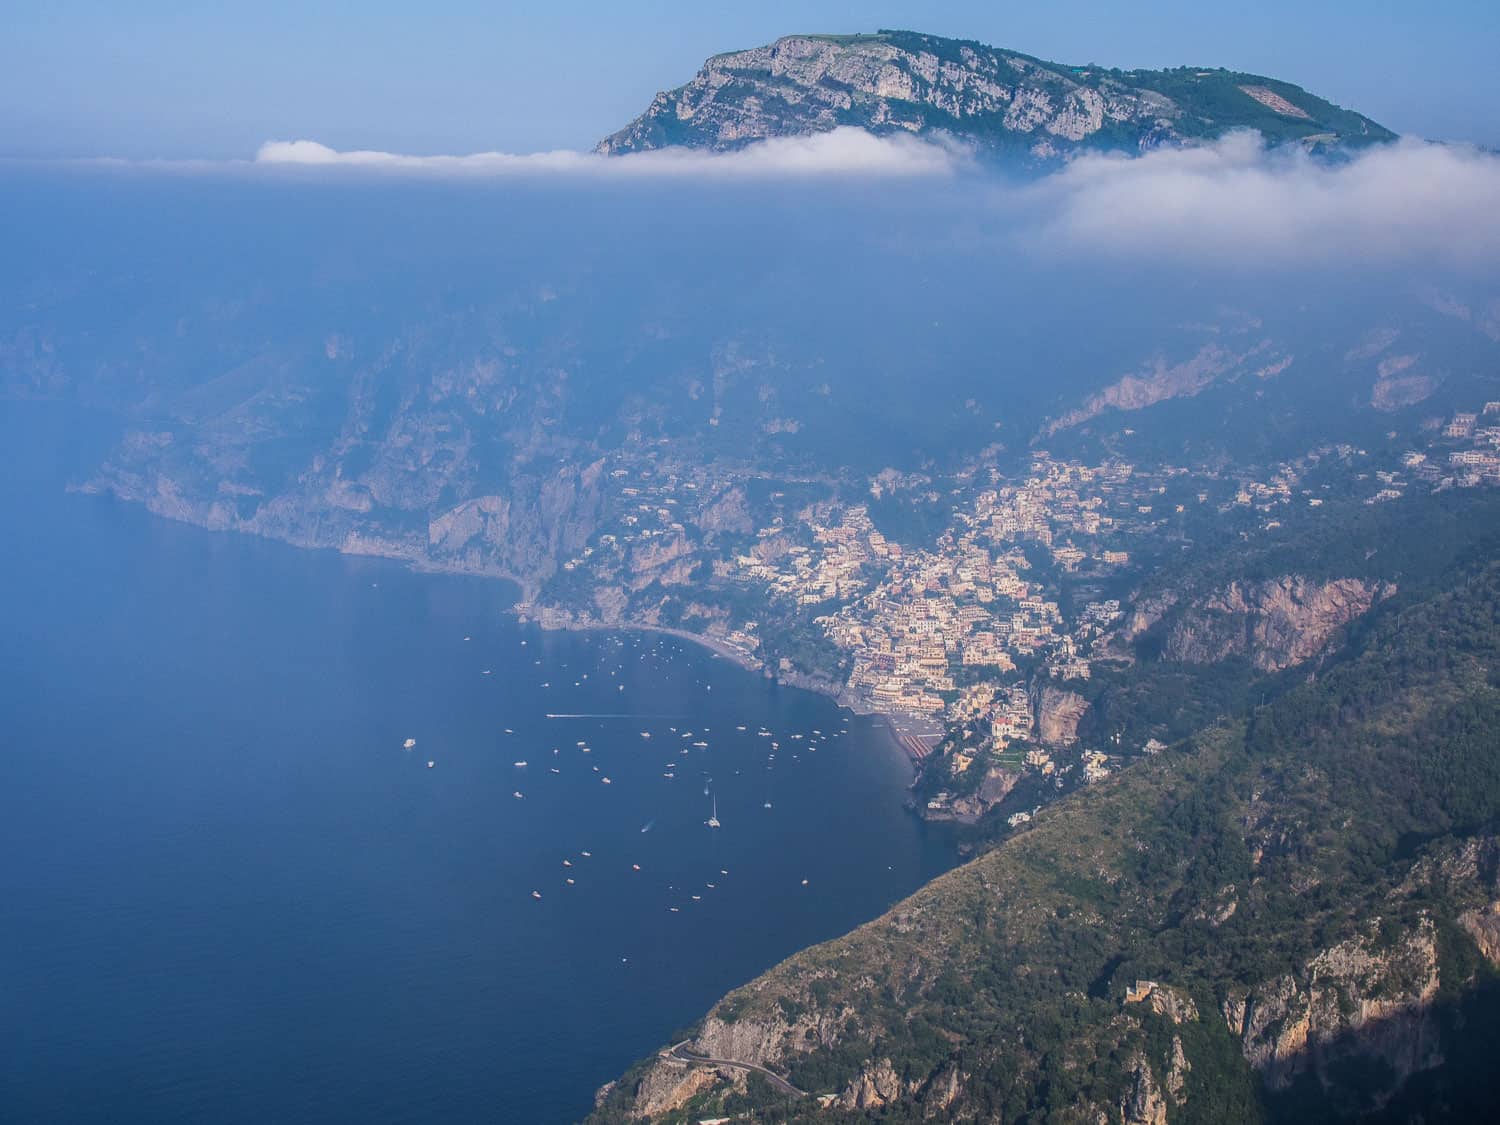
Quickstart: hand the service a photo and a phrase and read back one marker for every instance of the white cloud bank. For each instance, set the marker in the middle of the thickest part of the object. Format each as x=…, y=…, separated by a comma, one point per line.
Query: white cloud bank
x=1232, y=204
x=841, y=152
x=1238, y=202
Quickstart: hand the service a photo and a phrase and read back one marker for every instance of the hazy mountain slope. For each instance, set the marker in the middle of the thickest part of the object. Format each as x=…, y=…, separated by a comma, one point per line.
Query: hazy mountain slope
x=1288, y=919
x=898, y=81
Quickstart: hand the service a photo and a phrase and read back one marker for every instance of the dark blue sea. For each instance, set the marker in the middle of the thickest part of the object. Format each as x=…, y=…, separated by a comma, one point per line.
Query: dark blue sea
x=229, y=894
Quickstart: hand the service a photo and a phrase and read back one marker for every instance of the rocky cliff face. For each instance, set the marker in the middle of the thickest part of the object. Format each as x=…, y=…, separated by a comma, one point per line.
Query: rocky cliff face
x=1058, y=712
x=1160, y=380
x=405, y=511
x=907, y=82
x=1277, y=622
x=1350, y=1001
x=971, y=807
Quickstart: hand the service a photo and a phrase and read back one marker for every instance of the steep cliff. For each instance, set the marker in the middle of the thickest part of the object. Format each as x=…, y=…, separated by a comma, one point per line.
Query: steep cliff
x=1057, y=715
x=899, y=81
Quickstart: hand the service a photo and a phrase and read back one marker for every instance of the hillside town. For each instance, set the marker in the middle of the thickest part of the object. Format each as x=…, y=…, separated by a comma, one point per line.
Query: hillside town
x=979, y=641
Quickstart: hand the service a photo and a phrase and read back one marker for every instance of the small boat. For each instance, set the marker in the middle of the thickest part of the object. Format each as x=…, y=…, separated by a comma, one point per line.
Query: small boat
x=635, y=867
x=766, y=805
x=521, y=765
x=518, y=795
x=669, y=775
x=586, y=855
x=556, y=770
x=570, y=882
x=536, y=894
x=408, y=744
x=606, y=781
x=697, y=898
x=567, y=863
x=431, y=764
x=713, y=820
x=804, y=882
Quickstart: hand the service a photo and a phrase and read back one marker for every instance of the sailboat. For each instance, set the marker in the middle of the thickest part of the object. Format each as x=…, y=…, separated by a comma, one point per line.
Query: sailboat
x=713, y=821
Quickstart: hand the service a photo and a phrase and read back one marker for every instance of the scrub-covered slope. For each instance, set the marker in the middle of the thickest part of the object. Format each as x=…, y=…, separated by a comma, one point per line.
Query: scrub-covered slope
x=1290, y=918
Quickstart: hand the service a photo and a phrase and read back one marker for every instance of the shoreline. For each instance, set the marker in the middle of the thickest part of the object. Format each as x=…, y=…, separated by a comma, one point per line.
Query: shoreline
x=915, y=735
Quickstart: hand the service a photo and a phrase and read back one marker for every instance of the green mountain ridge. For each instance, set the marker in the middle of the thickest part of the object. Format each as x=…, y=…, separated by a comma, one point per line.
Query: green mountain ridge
x=904, y=81
x=1288, y=916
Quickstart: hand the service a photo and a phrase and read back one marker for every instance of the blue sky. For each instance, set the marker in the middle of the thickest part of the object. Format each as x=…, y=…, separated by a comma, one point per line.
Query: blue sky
x=215, y=79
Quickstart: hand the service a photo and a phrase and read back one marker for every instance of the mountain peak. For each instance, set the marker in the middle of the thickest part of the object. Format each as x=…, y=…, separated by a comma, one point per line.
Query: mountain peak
x=905, y=81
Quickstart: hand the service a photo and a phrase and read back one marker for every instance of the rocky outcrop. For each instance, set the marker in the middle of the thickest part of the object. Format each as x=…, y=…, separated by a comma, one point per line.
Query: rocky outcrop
x=668, y=559
x=1058, y=712
x=1171, y=1003
x=875, y=1086
x=762, y=1041
x=944, y=1091
x=668, y=1087
x=1398, y=385
x=729, y=511
x=1277, y=622
x=1143, y=1103
x=970, y=808
x=1354, y=1000
x=1159, y=382
x=904, y=81
x=767, y=1042
x=1483, y=925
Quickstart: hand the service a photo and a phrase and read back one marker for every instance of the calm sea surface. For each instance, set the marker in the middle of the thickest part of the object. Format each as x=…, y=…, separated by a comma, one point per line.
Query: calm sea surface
x=228, y=894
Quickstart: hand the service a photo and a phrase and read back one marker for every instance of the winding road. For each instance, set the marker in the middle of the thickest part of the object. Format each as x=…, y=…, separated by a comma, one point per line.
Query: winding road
x=681, y=1054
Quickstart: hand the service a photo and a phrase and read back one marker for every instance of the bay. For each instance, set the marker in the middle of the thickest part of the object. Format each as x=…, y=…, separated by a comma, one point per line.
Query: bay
x=229, y=893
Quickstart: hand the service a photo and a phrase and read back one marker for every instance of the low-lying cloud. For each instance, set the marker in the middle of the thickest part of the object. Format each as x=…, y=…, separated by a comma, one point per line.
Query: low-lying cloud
x=1232, y=204
x=840, y=152
x=1237, y=202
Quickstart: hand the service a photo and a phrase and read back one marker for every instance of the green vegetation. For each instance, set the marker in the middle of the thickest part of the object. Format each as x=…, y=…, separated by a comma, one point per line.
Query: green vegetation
x=1338, y=816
